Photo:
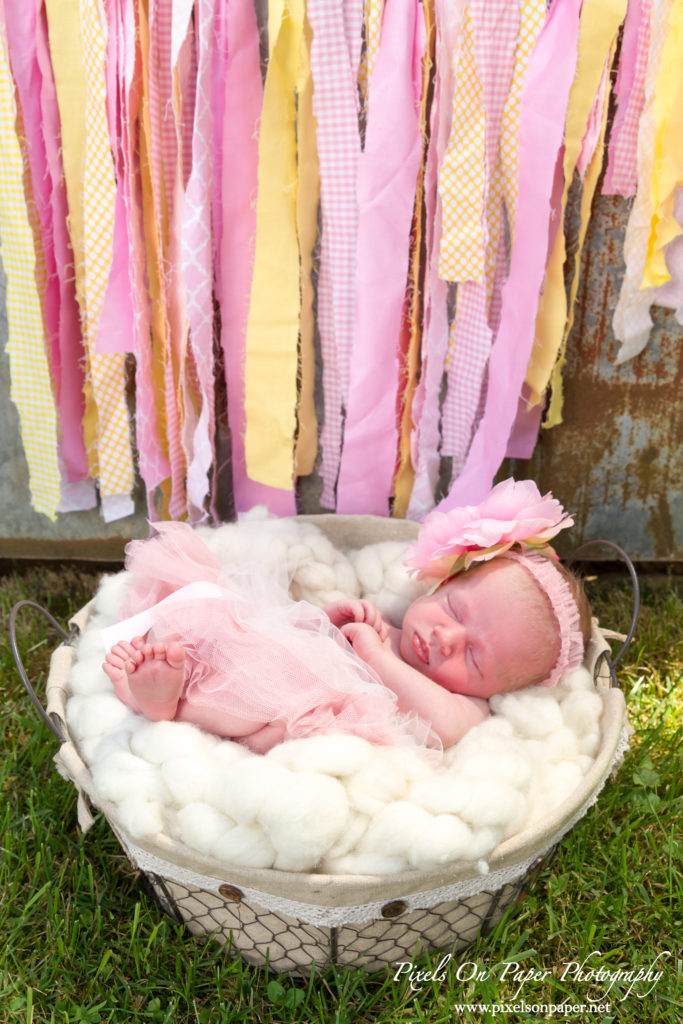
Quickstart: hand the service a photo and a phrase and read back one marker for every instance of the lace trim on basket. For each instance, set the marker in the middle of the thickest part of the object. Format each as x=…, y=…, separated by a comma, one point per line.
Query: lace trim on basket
x=333, y=917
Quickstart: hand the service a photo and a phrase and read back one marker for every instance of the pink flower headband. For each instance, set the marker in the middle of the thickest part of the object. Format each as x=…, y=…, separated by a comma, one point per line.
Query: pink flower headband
x=513, y=515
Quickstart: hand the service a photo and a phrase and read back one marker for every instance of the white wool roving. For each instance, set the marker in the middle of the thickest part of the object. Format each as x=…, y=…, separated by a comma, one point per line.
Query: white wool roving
x=304, y=819
x=331, y=803
x=338, y=754
x=384, y=579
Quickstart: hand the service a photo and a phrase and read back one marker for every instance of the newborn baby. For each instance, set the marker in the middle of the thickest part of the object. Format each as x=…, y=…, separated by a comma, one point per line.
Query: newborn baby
x=245, y=662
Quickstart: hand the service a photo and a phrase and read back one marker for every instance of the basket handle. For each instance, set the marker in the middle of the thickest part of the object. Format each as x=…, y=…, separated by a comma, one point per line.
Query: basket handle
x=614, y=661
x=53, y=723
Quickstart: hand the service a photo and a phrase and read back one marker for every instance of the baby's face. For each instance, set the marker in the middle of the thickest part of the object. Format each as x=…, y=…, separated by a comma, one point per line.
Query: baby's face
x=475, y=635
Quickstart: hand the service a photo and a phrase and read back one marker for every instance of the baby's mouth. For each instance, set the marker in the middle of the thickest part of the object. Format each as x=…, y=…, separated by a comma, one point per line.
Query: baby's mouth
x=421, y=649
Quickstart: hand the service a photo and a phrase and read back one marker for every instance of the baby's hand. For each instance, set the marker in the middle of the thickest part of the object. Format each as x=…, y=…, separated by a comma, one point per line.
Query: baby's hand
x=364, y=639
x=353, y=610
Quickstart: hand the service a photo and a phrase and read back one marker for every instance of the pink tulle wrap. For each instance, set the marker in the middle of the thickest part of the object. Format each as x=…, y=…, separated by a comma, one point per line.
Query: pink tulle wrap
x=255, y=653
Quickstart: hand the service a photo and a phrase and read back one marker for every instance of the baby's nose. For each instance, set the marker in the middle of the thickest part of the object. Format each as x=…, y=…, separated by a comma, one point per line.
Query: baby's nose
x=450, y=637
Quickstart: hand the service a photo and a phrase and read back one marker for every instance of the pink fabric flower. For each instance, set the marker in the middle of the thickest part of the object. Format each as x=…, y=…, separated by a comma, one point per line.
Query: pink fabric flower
x=514, y=512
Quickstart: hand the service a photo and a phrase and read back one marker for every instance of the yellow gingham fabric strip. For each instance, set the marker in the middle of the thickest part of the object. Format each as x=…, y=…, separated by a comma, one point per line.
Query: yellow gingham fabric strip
x=373, y=28
x=462, y=178
x=31, y=391
x=531, y=18
x=99, y=194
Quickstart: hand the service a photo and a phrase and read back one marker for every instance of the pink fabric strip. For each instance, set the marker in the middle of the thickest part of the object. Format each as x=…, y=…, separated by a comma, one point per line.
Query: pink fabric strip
x=242, y=97
x=197, y=263
x=335, y=105
x=524, y=433
x=542, y=114
x=153, y=464
x=496, y=26
x=21, y=29
x=621, y=176
x=524, y=430
x=27, y=42
x=426, y=403
x=387, y=177
x=114, y=329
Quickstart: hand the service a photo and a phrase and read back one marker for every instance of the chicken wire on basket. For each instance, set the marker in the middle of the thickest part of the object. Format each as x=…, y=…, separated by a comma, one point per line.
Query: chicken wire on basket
x=291, y=945
x=293, y=921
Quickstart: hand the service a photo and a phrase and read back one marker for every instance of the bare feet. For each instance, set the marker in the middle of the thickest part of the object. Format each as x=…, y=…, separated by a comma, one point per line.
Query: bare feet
x=154, y=674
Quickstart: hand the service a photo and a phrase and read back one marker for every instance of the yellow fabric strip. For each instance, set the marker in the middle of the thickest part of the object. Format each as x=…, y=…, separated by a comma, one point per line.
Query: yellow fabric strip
x=31, y=389
x=599, y=24
x=308, y=195
x=273, y=323
x=66, y=52
x=667, y=166
x=405, y=474
x=554, y=413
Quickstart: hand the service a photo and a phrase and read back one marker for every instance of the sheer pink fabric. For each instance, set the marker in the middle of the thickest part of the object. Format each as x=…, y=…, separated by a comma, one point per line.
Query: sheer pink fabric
x=255, y=653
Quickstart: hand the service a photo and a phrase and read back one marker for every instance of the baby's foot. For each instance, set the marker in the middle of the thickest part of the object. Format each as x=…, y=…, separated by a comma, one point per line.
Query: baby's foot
x=156, y=680
x=152, y=673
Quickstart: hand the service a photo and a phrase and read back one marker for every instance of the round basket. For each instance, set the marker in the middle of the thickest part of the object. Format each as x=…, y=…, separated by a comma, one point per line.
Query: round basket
x=292, y=921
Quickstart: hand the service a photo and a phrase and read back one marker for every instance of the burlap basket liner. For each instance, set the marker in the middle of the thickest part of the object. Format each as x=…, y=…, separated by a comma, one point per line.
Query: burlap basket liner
x=291, y=920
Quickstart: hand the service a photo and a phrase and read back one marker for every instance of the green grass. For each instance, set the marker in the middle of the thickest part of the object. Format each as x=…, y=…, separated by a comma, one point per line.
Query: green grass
x=81, y=942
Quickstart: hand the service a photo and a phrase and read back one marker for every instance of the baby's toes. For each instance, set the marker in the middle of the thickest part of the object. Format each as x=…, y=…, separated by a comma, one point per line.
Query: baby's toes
x=175, y=653
x=114, y=660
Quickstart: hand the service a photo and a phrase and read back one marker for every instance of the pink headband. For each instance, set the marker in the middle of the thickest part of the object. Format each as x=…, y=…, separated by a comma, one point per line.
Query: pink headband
x=514, y=514
x=565, y=609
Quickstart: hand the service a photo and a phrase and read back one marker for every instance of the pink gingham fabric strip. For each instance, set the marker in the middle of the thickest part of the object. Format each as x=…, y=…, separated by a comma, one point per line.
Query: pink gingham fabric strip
x=336, y=27
x=621, y=176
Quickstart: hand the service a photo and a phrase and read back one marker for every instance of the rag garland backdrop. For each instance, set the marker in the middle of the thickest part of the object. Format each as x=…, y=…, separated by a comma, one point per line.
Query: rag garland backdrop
x=332, y=231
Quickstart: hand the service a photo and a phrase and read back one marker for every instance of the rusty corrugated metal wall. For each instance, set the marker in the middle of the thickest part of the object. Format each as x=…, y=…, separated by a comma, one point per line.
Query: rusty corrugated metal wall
x=616, y=460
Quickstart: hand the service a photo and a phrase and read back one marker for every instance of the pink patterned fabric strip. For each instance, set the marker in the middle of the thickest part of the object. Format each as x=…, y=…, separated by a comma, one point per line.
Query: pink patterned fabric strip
x=335, y=50
x=197, y=264
x=621, y=177
x=543, y=109
x=387, y=177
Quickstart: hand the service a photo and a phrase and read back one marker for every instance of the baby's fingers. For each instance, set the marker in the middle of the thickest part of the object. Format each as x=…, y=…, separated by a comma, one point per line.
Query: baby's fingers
x=373, y=617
